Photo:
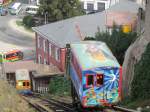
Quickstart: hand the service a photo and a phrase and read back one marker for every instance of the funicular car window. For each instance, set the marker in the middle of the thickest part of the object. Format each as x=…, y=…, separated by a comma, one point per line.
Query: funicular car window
x=24, y=84
x=27, y=83
x=89, y=80
x=99, y=79
x=11, y=55
x=20, y=54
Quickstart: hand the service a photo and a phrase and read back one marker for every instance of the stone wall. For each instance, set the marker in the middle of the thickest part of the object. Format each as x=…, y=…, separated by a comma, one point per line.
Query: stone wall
x=134, y=52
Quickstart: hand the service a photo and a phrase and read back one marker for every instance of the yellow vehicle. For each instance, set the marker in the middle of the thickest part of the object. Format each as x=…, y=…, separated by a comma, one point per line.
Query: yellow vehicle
x=23, y=83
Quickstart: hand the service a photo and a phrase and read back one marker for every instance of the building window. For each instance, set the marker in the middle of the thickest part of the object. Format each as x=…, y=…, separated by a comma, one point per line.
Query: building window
x=100, y=6
x=44, y=45
x=57, y=54
x=45, y=61
x=90, y=7
x=39, y=59
x=38, y=41
x=50, y=49
x=53, y=51
x=141, y=14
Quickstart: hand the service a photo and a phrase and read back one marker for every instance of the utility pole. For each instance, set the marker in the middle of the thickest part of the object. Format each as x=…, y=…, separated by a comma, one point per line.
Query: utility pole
x=46, y=18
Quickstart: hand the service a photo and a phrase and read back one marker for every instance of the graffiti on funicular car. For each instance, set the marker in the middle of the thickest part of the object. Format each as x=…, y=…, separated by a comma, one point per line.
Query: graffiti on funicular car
x=95, y=74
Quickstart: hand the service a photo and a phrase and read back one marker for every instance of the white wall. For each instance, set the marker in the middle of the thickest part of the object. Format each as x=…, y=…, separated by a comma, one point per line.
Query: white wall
x=141, y=2
x=37, y=2
x=108, y=3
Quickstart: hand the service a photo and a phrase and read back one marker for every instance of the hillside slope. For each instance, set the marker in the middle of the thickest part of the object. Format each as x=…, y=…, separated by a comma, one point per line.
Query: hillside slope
x=10, y=101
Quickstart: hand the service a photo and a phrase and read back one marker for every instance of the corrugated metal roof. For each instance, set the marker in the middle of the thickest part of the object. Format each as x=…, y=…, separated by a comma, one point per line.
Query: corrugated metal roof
x=65, y=31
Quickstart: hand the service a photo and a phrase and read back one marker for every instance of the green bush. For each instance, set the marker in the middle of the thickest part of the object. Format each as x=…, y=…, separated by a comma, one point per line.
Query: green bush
x=118, y=41
x=89, y=38
x=140, y=87
x=59, y=86
x=28, y=21
x=146, y=110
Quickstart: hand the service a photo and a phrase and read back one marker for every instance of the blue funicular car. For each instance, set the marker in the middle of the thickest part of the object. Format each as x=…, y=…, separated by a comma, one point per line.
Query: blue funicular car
x=95, y=74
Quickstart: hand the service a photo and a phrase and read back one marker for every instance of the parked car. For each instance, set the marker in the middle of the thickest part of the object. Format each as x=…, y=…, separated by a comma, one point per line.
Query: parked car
x=3, y=12
x=32, y=9
x=15, y=8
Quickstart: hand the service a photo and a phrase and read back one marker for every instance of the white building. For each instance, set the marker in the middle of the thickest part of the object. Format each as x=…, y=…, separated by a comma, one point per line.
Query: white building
x=141, y=2
x=97, y=5
x=37, y=2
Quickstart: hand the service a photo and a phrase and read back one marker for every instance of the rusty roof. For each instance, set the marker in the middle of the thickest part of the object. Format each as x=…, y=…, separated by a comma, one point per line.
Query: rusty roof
x=47, y=70
x=10, y=67
x=39, y=69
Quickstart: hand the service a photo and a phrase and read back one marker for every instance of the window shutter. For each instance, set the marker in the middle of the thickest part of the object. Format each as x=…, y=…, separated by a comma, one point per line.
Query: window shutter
x=38, y=41
x=50, y=49
x=44, y=45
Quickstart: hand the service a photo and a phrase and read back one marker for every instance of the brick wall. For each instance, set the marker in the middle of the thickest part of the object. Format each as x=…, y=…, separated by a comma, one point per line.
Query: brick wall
x=50, y=54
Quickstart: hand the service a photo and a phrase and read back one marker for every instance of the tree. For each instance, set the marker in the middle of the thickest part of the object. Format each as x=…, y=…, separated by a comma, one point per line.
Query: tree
x=140, y=87
x=89, y=38
x=118, y=41
x=60, y=9
x=59, y=86
x=28, y=21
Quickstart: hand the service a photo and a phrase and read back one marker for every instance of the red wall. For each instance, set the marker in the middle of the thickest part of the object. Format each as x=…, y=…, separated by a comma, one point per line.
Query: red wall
x=62, y=57
x=50, y=60
x=54, y=61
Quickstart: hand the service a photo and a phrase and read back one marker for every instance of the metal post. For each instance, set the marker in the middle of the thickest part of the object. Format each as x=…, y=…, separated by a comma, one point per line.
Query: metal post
x=45, y=14
x=67, y=61
x=3, y=71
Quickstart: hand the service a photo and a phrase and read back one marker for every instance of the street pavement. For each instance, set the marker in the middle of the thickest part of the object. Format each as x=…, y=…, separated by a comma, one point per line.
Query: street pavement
x=14, y=37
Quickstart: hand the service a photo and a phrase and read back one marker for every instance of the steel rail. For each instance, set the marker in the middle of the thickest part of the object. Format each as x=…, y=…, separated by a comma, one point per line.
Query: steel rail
x=56, y=102
x=51, y=104
x=64, y=106
x=124, y=109
x=36, y=106
x=69, y=108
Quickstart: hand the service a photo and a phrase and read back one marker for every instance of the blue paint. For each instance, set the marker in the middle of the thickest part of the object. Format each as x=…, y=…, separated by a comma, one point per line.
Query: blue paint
x=95, y=58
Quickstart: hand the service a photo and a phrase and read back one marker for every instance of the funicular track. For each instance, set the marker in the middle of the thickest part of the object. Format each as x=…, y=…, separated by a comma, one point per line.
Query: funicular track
x=109, y=109
x=53, y=105
x=48, y=105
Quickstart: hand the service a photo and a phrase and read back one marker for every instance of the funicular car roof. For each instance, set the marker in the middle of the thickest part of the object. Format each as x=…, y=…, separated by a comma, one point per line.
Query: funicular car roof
x=92, y=54
x=10, y=51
